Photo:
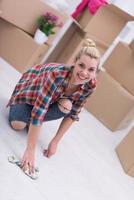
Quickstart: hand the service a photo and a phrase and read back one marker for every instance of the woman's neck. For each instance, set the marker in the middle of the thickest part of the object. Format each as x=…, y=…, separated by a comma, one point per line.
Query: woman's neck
x=71, y=84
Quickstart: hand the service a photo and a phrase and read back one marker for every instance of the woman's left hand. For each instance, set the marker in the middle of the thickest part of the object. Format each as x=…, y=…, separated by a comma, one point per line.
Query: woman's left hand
x=51, y=150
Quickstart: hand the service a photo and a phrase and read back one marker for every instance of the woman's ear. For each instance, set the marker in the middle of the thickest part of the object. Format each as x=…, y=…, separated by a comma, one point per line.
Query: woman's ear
x=75, y=60
x=73, y=63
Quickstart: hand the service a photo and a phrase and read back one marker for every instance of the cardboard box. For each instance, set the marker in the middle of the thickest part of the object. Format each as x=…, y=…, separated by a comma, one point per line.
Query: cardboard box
x=125, y=152
x=101, y=46
x=107, y=23
x=111, y=103
x=120, y=65
x=84, y=18
x=103, y=28
x=24, y=14
x=69, y=45
x=132, y=45
x=18, y=48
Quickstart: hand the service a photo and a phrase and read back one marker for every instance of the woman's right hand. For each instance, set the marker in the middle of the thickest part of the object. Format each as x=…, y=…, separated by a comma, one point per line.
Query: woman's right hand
x=28, y=161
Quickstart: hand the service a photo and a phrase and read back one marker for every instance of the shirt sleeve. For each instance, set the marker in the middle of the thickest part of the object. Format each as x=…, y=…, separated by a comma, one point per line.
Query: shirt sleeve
x=77, y=106
x=43, y=100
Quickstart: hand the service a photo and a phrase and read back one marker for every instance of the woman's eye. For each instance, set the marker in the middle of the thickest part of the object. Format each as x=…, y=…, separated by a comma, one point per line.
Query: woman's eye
x=91, y=70
x=81, y=65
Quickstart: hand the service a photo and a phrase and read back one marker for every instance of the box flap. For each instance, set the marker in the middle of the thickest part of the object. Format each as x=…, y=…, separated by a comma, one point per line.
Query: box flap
x=107, y=23
x=126, y=16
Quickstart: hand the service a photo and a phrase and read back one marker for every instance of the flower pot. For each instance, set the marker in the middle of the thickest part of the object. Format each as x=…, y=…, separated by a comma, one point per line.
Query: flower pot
x=40, y=37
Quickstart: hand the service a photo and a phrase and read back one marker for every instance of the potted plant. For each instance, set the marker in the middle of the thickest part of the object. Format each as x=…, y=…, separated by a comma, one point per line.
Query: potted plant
x=46, y=24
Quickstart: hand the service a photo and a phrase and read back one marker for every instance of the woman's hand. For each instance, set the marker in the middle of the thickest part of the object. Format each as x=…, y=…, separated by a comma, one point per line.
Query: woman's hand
x=28, y=158
x=51, y=150
x=27, y=162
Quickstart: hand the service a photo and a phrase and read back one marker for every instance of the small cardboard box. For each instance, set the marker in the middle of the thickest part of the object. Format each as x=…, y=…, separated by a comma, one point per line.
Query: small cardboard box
x=18, y=48
x=24, y=14
x=120, y=65
x=111, y=103
x=125, y=152
x=107, y=23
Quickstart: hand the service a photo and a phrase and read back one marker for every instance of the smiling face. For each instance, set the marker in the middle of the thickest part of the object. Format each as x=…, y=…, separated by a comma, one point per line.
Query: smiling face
x=85, y=69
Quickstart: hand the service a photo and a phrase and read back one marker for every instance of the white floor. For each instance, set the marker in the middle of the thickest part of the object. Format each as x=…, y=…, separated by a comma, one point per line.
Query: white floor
x=85, y=166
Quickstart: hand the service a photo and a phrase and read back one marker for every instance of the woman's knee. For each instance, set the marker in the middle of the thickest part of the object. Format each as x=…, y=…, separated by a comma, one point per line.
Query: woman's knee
x=18, y=125
x=65, y=105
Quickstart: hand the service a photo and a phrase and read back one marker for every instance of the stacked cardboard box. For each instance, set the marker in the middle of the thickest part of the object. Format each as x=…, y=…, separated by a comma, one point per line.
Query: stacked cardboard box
x=107, y=24
x=24, y=14
x=18, y=25
x=125, y=152
x=103, y=28
x=111, y=103
x=120, y=65
x=18, y=48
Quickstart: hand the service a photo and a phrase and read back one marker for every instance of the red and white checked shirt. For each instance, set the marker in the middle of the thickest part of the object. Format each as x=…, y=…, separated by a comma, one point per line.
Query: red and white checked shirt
x=45, y=84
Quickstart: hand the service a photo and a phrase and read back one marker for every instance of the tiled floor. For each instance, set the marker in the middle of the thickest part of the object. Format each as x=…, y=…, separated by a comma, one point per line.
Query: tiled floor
x=85, y=166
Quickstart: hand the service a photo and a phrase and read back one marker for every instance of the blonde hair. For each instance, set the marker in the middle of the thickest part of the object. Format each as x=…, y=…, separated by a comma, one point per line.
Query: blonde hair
x=88, y=48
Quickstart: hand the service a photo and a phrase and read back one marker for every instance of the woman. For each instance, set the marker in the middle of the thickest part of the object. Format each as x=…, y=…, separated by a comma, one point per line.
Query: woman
x=51, y=91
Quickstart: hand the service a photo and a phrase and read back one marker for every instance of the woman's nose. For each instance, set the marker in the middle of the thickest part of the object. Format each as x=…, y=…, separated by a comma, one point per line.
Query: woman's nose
x=85, y=72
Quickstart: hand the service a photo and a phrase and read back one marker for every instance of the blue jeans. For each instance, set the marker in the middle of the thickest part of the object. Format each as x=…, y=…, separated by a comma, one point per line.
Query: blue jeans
x=22, y=112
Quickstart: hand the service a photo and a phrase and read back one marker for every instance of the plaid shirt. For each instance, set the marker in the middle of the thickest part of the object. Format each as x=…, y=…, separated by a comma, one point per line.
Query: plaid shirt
x=45, y=84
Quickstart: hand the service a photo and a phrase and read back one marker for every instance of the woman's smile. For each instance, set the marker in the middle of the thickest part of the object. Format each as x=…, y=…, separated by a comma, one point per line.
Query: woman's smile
x=81, y=77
